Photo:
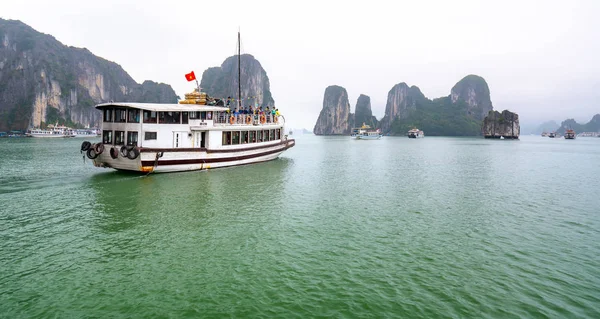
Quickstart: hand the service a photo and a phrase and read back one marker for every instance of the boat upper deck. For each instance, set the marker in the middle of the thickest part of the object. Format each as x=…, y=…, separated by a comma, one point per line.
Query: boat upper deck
x=190, y=114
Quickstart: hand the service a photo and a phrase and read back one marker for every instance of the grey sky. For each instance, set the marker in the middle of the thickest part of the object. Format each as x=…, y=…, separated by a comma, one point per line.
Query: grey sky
x=540, y=58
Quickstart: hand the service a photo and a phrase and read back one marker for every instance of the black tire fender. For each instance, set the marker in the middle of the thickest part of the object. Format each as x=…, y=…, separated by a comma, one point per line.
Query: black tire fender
x=124, y=151
x=91, y=153
x=114, y=153
x=133, y=153
x=85, y=146
x=99, y=148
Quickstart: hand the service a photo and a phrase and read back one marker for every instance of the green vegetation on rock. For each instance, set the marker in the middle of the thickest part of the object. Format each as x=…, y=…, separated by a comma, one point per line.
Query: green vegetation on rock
x=439, y=117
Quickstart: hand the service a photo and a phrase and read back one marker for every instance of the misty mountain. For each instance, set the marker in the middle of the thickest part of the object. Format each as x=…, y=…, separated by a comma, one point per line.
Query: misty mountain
x=592, y=126
x=549, y=126
x=44, y=81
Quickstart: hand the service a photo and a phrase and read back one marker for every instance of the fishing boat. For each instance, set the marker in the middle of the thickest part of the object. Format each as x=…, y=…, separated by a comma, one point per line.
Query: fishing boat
x=415, y=133
x=570, y=134
x=365, y=132
x=552, y=135
x=198, y=133
x=55, y=131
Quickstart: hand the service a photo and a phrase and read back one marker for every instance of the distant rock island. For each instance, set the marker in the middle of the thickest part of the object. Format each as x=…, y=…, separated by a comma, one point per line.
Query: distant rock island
x=459, y=114
x=222, y=82
x=43, y=81
x=335, y=117
x=501, y=125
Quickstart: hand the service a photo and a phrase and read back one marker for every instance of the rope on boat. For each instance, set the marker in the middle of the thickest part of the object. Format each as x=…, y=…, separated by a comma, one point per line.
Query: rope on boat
x=158, y=155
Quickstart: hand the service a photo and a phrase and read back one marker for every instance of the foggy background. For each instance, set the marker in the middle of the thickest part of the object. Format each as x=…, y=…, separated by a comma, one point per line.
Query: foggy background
x=539, y=58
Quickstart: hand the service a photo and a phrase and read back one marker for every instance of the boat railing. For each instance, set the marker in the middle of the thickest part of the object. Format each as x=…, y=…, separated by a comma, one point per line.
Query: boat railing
x=245, y=119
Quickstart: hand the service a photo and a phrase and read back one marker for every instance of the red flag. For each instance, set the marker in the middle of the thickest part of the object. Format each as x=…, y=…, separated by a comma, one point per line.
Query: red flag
x=190, y=76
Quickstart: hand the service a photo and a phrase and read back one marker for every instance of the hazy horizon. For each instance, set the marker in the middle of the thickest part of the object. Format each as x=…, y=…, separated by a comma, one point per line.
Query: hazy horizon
x=539, y=59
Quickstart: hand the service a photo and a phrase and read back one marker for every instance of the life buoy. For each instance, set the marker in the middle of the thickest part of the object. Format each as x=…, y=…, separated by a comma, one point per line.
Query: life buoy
x=124, y=151
x=114, y=153
x=133, y=153
x=248, y=119
x=232, y=120
x=99, y=148
x=85, y=146
x=263, y=119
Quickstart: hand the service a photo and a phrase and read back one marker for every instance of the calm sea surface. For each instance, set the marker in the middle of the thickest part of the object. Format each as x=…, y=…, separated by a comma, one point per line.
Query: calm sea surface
x=427, y=228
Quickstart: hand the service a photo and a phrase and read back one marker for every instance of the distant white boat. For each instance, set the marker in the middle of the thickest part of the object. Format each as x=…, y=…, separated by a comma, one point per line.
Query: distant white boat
x=86, y=132
x=501, y=137
x=55, y=131
x=365, y=132
x=415, y=133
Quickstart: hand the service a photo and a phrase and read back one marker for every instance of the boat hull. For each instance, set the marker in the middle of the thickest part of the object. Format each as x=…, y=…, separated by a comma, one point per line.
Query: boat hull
x=368, y=137
x=179, y=160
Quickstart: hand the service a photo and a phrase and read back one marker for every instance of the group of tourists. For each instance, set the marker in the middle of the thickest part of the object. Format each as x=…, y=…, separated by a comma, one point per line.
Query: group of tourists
x=249, y=114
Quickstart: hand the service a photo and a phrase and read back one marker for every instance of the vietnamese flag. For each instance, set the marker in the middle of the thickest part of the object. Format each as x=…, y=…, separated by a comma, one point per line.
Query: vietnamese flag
x=190, y=76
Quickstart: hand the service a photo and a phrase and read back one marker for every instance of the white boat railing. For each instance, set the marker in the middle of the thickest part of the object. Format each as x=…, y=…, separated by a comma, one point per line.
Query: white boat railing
x=246, y=119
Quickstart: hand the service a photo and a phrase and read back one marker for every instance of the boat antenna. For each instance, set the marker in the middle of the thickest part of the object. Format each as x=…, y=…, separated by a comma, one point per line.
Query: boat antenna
x=239, y=72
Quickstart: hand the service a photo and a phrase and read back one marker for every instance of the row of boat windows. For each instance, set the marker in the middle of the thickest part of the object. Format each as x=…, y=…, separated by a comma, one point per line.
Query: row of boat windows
x=244, y=137
x=121, y=115
x=118, y=137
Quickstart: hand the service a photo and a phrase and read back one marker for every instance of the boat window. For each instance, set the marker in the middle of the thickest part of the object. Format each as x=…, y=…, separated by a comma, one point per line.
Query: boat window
x=133, y=116
x=149, y=136
x=132, y=138
x=120, y=115
x=149, y=117
x=278, y=134
x=203, y=115
x=107, y=137
x=252, y=137
x=119, y=137
x=184, y=117
x=271, y=135
x=227, y=138
x=244, y=137
x=108, y=115
x=235, y=139
x=209, y=115
x=169, y=118
x=194, y=115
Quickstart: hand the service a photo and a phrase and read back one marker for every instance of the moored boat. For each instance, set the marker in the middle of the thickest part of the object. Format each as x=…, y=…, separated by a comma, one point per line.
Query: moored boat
x=552, y=135
x=55, y=131
x=570, y=134
x=415, y=133
x=365, y=132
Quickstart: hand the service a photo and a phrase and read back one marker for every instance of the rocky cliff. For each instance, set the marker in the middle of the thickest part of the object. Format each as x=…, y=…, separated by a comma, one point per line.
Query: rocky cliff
x=400, y=101
x=474, y=91
x=222, y=82
x=505, y=124
x=363, y=112
x=43, y=81
x=335, y=117
x=458, y=114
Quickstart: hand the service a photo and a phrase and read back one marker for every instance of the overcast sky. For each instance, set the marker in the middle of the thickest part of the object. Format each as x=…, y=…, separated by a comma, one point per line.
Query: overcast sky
x=540, y=58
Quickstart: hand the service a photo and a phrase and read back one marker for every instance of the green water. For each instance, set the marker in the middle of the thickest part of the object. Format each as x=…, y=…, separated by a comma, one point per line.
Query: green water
x=426, y=228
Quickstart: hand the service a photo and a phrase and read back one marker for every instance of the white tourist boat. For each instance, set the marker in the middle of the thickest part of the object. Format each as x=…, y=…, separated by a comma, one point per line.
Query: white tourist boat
x=56, y=131
x=415, y=133
x=365, y=132
x=198, y=133
x=87, y=132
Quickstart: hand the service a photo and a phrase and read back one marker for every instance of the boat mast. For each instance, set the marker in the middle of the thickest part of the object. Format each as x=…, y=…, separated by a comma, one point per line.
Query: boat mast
x=239, y=73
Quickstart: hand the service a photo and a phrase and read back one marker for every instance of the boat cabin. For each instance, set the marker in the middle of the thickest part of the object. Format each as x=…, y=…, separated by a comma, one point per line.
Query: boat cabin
x=183, y=126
